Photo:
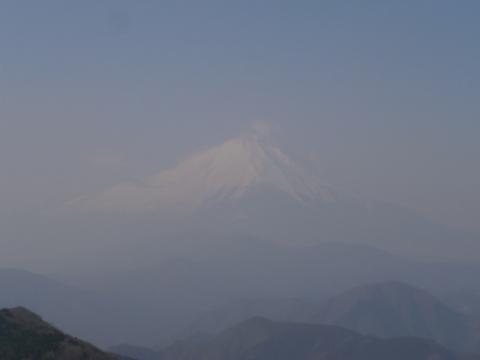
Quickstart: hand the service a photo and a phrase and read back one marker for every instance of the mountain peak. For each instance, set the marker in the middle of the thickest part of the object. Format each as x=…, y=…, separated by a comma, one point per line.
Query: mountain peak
x=260, y=130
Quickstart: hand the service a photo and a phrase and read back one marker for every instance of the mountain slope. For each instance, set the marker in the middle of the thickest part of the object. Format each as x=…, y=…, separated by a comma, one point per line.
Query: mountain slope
x=396, y=309
x=261, y=339
x=24, y=335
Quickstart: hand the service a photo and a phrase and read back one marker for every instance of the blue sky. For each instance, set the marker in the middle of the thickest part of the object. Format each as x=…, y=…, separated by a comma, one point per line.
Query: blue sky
x=382, y=95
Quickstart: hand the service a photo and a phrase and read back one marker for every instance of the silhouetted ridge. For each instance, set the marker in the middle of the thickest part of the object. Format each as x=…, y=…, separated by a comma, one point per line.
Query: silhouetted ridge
x=24, y=335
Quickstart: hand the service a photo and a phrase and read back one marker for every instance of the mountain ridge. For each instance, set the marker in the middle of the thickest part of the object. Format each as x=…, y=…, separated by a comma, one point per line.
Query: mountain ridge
x=395, y=308
x=261, y=339
x=24, y=335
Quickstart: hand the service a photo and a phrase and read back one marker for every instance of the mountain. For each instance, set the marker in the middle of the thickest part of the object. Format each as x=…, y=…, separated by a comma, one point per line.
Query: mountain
x=218, y=319
x=262, y=339
x=249, y=186
x=395, y=309
x=203, y=293
x=224, y=173
x=24, y=335
x=387, y=309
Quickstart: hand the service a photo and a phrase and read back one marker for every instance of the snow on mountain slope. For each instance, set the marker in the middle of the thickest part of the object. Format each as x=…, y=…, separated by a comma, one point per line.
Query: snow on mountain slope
x=224, y=172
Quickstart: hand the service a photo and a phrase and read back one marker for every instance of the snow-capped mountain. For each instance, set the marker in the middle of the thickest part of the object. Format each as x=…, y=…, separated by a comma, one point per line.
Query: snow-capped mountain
x=222, y=173
x=248, y=187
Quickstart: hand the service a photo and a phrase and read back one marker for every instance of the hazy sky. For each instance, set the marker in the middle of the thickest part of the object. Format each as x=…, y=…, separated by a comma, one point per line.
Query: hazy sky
x=382, y=95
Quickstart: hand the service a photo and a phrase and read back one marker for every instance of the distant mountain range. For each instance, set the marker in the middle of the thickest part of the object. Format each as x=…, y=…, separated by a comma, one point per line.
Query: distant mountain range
x=395, y=309
x=390, y=320
x=389, y=309
x=25, y=336
x=157, y=304
x=262, y=339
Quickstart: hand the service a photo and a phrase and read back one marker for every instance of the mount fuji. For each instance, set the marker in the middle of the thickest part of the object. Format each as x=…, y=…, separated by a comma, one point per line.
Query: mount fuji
x=224, y=173
x=249, y=186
